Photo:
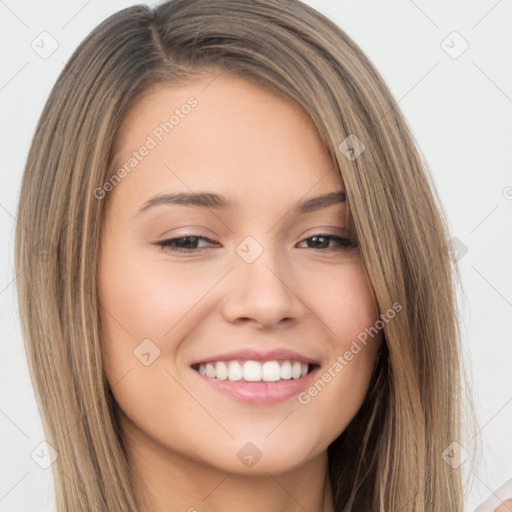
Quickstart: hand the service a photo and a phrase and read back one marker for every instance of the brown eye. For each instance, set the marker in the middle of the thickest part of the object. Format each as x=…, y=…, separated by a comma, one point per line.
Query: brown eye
x=183, y=244
x=323, y=242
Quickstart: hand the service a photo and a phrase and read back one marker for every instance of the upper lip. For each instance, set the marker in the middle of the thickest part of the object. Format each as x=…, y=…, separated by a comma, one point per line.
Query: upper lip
x=250, y=354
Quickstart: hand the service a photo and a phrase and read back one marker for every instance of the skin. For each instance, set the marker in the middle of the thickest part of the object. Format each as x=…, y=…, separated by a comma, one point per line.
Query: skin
x=261, y=149
x=506, y=506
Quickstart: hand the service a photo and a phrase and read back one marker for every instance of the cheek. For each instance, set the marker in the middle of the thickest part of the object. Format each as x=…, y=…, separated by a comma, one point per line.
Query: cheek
x=143, y=297
x=336, y=395
x=147, y=308
x=348, y=309
x=343, y=300
x=143, y=316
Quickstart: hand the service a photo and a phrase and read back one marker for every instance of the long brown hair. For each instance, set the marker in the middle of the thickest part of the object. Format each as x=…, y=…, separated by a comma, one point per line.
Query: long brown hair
x=390, y=457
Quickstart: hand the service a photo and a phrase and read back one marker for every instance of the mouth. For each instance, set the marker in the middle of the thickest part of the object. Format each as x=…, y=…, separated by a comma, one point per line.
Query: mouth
x=251, y=371
x=257, y=382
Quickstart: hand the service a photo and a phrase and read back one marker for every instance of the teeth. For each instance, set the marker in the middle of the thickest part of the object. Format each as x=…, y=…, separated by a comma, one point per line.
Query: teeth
x=271, y=371
x=221, y=371
x=235, y=371
x=286, y=370
x=254, y=371
x=210, y=370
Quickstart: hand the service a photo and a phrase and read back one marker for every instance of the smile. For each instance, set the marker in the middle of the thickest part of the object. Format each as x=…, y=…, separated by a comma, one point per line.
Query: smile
x=257, y=382
x=253, y=371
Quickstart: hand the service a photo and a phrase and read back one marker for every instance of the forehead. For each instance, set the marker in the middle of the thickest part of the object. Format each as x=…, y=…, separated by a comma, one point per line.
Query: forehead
x=224, y=134
x=221, y=105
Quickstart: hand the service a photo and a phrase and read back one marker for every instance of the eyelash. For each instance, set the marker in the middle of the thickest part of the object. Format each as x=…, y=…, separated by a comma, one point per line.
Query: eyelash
x=344, y=243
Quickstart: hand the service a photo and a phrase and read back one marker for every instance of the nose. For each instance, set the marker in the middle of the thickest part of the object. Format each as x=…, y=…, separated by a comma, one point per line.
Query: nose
x=264, y=292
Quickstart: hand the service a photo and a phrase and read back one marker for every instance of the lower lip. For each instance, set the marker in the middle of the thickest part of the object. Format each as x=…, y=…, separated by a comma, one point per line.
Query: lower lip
x=259, y=392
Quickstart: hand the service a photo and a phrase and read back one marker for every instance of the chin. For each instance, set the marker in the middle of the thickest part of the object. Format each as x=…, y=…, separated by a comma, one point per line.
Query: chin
x=260, y=456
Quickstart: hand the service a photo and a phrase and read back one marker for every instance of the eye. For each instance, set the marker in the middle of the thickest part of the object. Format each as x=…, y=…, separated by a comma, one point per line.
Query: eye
x=183, y=244
x=322, y=241
x=189, y=243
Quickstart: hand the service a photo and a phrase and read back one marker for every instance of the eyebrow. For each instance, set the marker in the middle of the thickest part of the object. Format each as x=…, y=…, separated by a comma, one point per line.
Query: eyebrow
x=219, y=202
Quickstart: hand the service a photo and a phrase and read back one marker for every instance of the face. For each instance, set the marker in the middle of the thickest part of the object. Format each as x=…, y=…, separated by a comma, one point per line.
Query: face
x=202, y=298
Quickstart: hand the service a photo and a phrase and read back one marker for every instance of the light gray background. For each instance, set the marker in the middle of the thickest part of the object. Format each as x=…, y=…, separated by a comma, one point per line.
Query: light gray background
x=460, y=111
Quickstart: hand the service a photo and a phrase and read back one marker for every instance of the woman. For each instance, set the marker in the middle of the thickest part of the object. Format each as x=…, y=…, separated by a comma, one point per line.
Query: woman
x=246, y=297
